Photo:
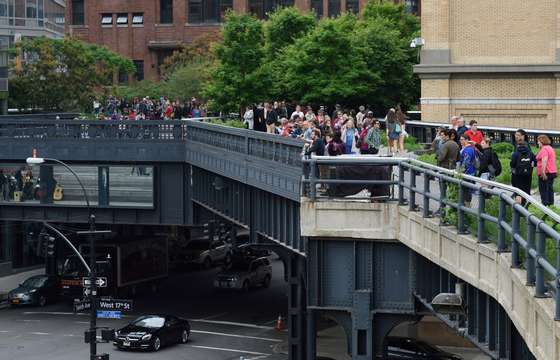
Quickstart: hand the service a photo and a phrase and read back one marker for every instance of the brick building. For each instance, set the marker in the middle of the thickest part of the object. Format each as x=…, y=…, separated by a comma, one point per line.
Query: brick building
x=494, y=61
x=147, y=31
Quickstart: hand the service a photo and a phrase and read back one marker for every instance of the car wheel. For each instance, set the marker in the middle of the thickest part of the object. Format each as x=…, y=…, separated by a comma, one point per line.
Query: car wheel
x=246, y=285
x=207, y=263
x=157, y=344
x=42, y=301
x=184, y=337
x=266, y=281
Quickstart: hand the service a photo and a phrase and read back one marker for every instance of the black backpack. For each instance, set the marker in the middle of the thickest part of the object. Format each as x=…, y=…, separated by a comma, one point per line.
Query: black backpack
x=495, y=166
x=524, y=164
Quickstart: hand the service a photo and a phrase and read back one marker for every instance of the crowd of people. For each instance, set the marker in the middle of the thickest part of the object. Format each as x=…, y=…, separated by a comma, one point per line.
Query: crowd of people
x=341, y=132
x=147, y=109
x=469, y=150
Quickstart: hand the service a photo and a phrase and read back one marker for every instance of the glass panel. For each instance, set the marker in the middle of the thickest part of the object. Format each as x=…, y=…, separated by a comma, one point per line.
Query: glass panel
x=317, y=7
x=106, y=19
x=334, y=8
x=31, y=9
x=211, y=10
x=411, y=6
x=122, y=19
x=77, y=12
x=3, y=8
x=118, y=186
x=166, y=11
x=195, y=11
x=139, y=74
x=353, y=6
x=138, y=18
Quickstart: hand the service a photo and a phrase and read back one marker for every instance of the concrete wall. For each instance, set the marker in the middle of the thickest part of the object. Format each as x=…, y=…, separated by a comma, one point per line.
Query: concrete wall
x=478, y=264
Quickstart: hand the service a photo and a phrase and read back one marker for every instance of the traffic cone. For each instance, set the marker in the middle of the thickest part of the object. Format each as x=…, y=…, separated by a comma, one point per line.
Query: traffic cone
x=280, y=323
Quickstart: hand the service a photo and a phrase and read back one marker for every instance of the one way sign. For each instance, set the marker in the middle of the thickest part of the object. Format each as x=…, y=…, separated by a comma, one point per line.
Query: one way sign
x=100, y=282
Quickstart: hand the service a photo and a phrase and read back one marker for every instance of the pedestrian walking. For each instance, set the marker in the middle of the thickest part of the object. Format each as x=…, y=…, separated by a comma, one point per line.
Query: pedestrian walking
x=546, y=170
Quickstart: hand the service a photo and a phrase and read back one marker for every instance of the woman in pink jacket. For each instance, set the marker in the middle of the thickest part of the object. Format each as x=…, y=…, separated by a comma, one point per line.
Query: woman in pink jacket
x=546, y=169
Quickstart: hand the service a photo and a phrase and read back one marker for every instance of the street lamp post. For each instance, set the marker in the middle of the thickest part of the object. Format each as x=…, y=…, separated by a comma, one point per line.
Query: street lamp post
x=92, y=255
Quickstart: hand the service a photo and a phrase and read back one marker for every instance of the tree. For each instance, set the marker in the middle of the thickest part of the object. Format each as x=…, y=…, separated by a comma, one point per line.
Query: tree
x=284, y=26
x=326, y=66
x=187, y=81
x=61, y=74
x=395, y=16
x=236, y=79
x=199, y=50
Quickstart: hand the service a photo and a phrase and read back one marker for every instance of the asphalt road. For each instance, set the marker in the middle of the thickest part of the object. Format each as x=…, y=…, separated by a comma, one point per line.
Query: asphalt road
x=225, y=325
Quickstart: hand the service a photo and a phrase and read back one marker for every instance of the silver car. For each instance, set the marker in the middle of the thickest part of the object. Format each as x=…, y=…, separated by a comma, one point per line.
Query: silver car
x=245, y=274
x=206, y=253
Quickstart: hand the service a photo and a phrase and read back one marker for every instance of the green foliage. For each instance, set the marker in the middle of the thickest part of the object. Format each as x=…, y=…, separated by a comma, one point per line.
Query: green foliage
x=200, y=50
x=60, y=74
x=237, y=78
x=187, y=80
x=428, y=158
x=230, y=123
x=284, y=27
x=141, y=89
x=503, y=149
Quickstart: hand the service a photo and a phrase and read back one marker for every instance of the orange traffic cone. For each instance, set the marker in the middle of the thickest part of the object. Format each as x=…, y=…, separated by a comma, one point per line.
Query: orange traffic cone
x=280, y=323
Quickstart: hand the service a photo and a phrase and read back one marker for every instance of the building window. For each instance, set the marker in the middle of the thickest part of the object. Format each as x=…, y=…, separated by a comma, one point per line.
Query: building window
x=317, y=7
x=353, y=6
x=31, y=9
x=78, y=12
x=334, y=8
x=138, y=18
x=3, y=8
x=139, y=74
x=123, y=77
x=261, y=8
x=106, y=19
x=208, y=11
x=166, y=11
x=411, y=6
x=122, y=19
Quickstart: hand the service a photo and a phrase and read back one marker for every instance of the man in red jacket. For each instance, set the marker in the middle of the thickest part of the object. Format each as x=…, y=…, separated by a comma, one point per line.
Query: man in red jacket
x=473, y=133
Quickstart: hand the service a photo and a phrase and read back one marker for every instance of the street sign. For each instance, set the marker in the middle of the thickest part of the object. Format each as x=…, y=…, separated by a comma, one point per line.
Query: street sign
x=115, y=304
x=80, y=306
x=100, y=282
x=87, y=292
x=103, y=314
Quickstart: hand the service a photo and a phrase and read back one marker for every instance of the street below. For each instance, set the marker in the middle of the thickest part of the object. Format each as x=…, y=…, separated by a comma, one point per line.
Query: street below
x=225, y=324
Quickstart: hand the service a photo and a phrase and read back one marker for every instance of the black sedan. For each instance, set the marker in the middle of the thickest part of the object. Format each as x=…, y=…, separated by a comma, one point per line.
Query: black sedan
x=404, y=348
x=36, y=290
x=151, y=332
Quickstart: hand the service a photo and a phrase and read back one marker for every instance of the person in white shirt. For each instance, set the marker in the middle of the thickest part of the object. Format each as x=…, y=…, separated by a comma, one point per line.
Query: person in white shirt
x=297, y=112
x=248, y=117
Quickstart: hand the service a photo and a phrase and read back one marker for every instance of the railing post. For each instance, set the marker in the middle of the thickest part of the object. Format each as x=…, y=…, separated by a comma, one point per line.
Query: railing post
x=501, y=231
x=540, y=289
x=312, y=175
x=412, y=193
x=514, y=245
x=426, y=199
x=481, y=233
x=557, y=281
x=529, y=260
x=401, y=184
x=460, y=212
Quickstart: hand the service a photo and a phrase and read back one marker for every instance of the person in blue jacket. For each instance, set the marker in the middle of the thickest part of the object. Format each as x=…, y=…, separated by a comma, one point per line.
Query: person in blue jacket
x=467, y=158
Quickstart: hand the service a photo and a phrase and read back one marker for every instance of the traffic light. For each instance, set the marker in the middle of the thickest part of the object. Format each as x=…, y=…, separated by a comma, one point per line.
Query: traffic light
x=51, y=245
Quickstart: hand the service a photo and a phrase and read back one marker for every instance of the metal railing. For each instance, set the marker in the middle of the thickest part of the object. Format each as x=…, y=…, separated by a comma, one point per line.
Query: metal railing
x=494, y=215
x=28, y=127
x=425, y=132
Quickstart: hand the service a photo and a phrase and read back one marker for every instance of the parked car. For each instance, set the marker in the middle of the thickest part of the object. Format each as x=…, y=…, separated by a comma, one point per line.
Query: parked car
x=404, y=348
x=151, y=332
x=36, y=290
x=202, y=253
x=244, y=274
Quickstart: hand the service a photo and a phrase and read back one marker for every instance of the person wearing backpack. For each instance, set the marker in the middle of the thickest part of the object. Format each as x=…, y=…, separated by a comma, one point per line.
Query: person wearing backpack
x=470, y=163
x=490, y=165
x=522, y=163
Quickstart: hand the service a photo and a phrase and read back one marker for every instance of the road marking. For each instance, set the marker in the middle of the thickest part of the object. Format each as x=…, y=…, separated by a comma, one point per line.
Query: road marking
x=253, y=326
x=234, y=335
x=39, y=333
x=81, y=322
x=69, y=335
x=214, y=316
x=229, y=350
x=4, y=331
x=258, y=357
x=28, y=320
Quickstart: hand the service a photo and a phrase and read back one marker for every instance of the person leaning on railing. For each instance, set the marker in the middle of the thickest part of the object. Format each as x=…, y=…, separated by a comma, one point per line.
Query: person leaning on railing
x=546, y=169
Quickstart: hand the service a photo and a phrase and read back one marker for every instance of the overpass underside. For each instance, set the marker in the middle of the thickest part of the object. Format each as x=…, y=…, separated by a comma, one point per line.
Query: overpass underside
x=373, y=266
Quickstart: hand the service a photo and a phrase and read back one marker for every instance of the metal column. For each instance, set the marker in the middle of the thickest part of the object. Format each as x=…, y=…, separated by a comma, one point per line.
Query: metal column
x=296, y=307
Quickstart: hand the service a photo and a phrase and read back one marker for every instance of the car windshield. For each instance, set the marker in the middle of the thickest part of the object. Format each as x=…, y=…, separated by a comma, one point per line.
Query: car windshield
x=198, y=245
x=151, y=322
x=34, y=282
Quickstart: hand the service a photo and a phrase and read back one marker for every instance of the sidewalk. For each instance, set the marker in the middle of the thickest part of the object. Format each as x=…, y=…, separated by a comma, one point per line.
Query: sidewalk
x=10, y=282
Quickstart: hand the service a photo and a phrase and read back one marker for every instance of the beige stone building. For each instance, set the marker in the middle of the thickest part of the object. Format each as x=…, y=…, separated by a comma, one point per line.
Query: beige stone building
x=495, y=61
